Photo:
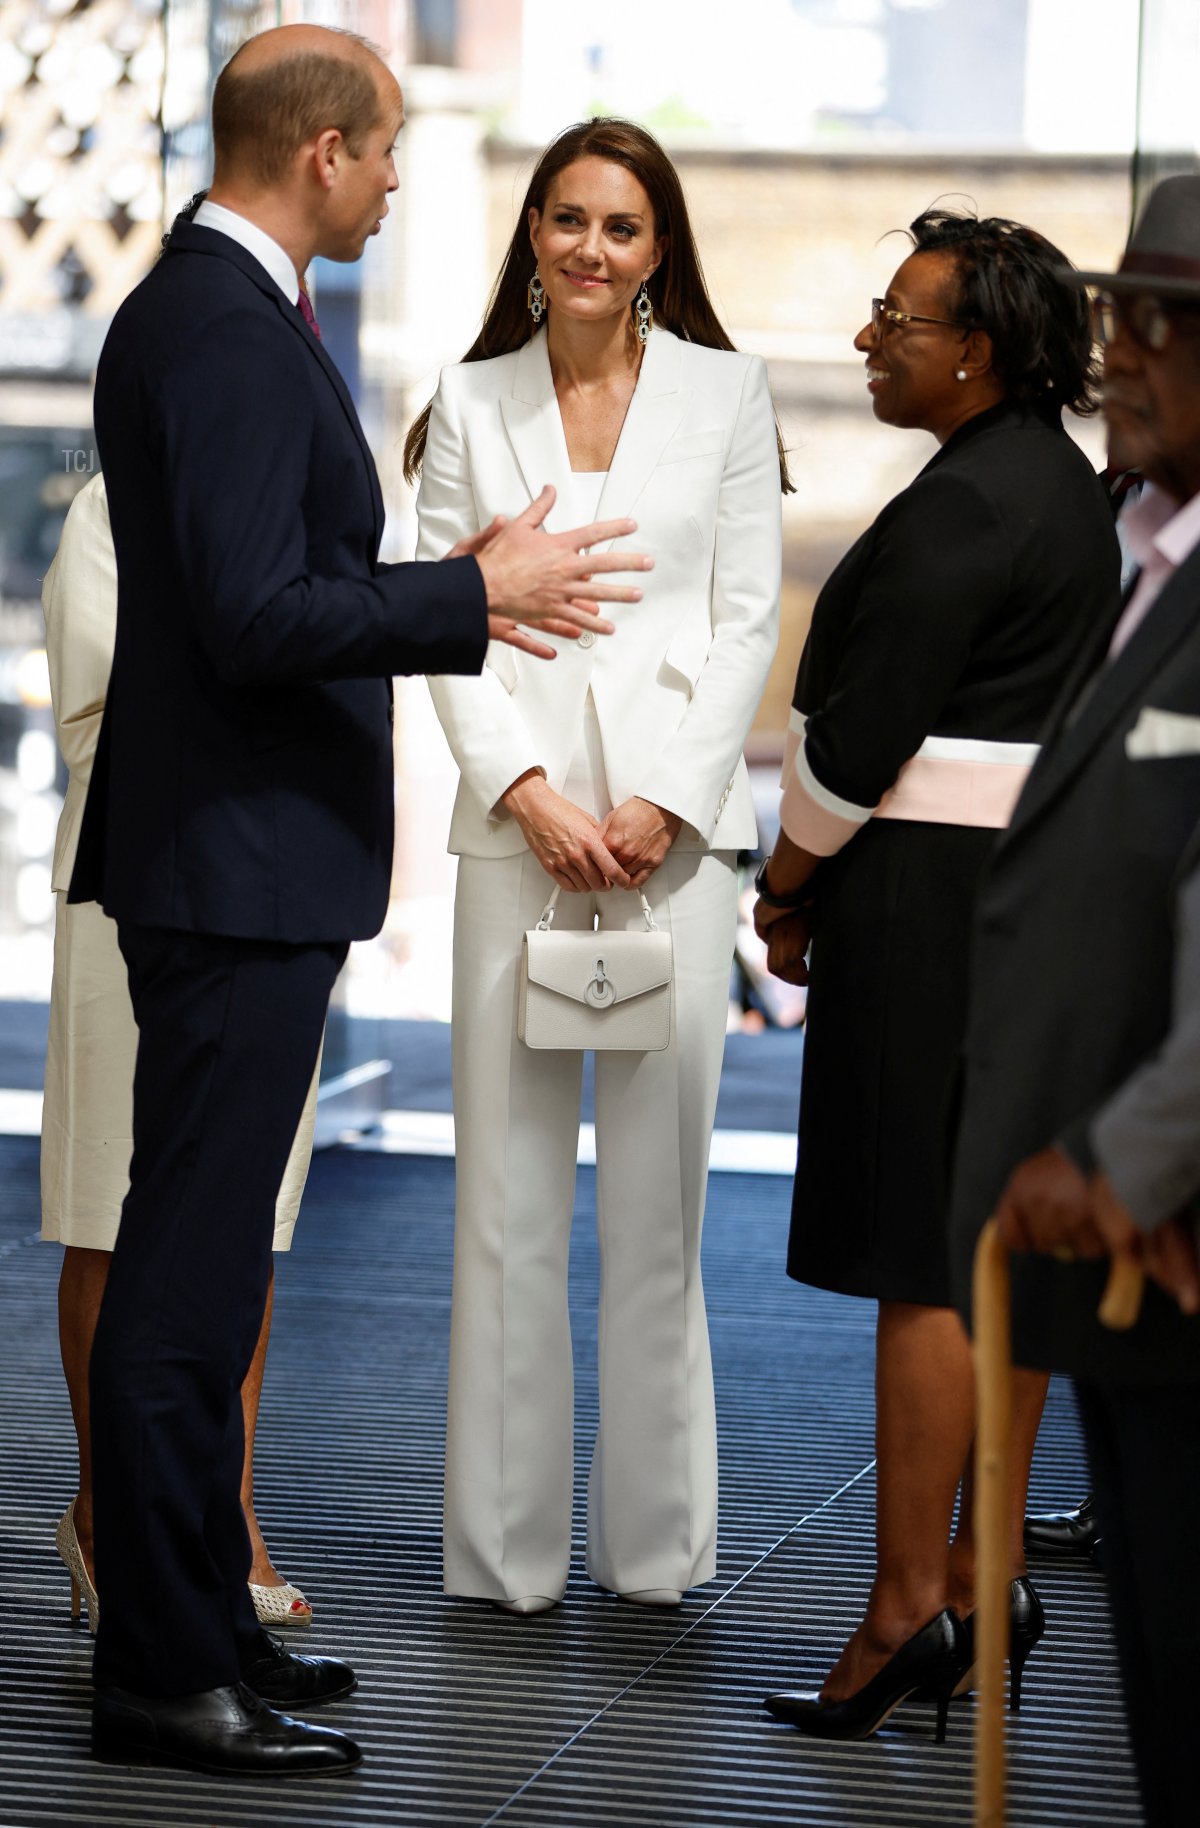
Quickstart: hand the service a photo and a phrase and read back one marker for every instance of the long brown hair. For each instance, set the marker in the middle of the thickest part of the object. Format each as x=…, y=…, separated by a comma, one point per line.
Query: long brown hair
x=677, y=289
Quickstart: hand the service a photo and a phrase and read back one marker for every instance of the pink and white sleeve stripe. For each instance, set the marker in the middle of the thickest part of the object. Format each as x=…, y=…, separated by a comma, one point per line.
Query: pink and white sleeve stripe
x=815, y=819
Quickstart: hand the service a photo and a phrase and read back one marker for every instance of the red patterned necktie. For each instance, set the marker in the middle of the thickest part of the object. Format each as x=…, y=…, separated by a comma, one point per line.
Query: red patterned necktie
x=308, y=314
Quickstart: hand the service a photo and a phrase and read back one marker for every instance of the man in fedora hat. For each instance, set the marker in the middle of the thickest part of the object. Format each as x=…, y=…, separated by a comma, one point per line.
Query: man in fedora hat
x=1081, y=1111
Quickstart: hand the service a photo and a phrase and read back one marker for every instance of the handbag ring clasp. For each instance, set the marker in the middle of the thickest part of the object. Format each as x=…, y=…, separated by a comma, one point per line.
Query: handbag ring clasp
x=600, y=992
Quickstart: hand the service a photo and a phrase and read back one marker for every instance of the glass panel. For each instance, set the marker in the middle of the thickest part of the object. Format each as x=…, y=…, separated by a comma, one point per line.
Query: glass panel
x=435, y=31
x=1168, y=124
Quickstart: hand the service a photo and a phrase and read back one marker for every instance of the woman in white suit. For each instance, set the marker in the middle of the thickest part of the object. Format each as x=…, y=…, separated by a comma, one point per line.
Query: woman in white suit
x=87, y=1116
x=602, y=370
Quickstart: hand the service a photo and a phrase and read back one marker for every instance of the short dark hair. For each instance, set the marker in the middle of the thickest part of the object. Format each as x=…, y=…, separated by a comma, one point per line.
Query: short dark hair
x=1010, y=283
x=261, y=117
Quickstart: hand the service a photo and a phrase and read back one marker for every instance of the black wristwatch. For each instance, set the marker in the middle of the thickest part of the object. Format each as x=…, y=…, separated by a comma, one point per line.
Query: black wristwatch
x=796, y=899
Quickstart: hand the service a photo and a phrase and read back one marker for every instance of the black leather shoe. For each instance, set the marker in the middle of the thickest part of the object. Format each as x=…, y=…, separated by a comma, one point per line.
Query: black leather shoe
x=286, y=1680
x=1074, y=1532
x=224, y=1729
x=933, y=1660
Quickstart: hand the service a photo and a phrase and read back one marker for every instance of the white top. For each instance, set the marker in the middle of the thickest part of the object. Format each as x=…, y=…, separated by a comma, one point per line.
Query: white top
x=579, y=493
x=256, y=241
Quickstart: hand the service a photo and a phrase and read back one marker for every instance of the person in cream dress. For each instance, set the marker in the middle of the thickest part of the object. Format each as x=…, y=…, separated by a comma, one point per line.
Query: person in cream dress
x=602, y=371
x=87, y=1117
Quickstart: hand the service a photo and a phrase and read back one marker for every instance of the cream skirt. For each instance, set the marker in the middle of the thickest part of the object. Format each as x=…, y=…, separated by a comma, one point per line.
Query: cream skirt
x=87, y=1118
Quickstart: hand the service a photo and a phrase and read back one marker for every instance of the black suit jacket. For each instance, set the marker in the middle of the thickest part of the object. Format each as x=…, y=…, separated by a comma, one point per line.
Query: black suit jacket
x=1072, y=974
x=961, y=609
x=243, y=779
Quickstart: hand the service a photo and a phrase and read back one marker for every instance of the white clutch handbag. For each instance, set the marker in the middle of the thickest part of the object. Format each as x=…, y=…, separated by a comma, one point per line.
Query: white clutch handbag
x=593, y=989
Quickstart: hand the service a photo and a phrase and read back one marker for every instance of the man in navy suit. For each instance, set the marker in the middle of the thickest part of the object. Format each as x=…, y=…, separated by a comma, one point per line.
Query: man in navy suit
x=239, y=829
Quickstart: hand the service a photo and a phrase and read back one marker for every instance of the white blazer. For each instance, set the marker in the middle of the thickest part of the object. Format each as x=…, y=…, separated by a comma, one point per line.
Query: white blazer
x=677, y=686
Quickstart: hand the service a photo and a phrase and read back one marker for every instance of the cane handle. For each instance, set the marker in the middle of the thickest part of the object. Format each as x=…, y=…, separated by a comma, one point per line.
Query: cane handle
x=1123, y=1292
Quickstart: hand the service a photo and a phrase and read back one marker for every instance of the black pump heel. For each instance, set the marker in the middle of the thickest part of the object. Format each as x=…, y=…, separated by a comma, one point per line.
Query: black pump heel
x=943, y=1716
x=1026, y=1627
x=930, y=1664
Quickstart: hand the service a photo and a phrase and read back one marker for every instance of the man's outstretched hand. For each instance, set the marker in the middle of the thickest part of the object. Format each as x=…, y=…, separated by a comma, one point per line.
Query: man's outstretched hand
x=550, y=580
x=503, y=628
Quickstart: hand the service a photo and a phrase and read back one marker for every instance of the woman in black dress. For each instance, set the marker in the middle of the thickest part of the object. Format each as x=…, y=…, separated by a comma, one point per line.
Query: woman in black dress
x=936, y=651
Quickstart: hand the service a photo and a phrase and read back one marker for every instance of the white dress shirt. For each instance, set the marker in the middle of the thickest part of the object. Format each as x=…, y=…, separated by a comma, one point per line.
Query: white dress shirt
x=256, y=241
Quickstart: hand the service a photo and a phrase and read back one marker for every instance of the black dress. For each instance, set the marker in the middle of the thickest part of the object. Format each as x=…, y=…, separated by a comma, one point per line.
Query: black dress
x=956, y=614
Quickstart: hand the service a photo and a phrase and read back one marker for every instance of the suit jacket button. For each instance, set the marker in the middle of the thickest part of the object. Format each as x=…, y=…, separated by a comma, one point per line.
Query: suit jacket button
x=587, y=639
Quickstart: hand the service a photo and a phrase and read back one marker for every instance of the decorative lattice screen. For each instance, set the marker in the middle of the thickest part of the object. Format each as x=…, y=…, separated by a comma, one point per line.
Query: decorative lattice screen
x=80, y=173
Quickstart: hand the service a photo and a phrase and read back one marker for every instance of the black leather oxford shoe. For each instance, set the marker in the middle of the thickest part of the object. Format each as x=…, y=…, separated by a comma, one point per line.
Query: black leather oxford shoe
x=1074, y=1532
x=224, y=1729
x=287, y=1680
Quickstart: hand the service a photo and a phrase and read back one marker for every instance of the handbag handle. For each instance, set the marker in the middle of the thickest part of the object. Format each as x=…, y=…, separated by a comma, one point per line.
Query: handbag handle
x=547, y=915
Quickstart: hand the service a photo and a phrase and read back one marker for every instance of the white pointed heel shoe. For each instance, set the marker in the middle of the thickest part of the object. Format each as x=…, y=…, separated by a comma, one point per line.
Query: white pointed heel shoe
x=67, y=1543
x=278, y=1606
x=654, y=1596
x=525, y=1608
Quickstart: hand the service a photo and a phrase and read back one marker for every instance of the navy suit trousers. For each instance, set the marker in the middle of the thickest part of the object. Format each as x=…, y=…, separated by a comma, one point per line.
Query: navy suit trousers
x=228, y=1037
x=1144, y=1449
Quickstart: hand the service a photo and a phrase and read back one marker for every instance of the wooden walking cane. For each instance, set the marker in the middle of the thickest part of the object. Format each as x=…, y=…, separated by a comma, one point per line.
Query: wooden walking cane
x=992, y=1321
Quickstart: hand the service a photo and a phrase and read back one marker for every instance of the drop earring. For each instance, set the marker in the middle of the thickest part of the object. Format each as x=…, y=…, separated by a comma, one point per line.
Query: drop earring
x=535, y=297
x=643, y=315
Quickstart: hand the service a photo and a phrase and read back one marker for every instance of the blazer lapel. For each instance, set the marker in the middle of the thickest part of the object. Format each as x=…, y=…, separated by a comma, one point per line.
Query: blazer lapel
x=657, y=406
x=187, y=238
x=317, y=350
x=532, y=419
x=534, y=423
x=1083, y=676
x=1171, y=618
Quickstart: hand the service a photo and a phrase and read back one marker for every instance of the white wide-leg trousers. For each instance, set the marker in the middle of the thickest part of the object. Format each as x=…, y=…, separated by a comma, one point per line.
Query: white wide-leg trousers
x=652, y=1502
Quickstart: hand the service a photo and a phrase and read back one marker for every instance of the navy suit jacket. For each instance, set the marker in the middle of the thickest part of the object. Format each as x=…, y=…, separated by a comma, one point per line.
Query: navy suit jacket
x=243, y=778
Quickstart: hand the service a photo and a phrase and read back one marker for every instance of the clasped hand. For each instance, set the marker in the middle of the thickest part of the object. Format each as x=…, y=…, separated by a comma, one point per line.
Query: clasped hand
x=580, y=852
x=787, y=933
x=549, y=579
x=1049, y=1205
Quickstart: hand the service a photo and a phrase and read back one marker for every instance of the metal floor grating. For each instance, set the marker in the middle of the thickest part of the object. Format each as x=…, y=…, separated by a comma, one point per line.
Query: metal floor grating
x=597, y=1713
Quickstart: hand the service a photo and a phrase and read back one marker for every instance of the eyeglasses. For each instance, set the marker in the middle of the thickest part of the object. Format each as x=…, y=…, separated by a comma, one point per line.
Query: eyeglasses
x=884, y=318
x=1140, y=313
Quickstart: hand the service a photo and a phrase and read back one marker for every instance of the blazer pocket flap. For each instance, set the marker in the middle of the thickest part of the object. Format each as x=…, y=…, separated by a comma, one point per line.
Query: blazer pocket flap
x=694, y=444
x=1159, y=734
x=599, y=968
x=687, y=652
x=501, y=661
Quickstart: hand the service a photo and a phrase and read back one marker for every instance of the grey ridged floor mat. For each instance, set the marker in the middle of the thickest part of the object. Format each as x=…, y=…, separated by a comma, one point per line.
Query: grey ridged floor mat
x=597, y=1713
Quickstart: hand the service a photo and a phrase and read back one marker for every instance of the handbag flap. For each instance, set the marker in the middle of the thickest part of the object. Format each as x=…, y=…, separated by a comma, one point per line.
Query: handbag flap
x=567, y=963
